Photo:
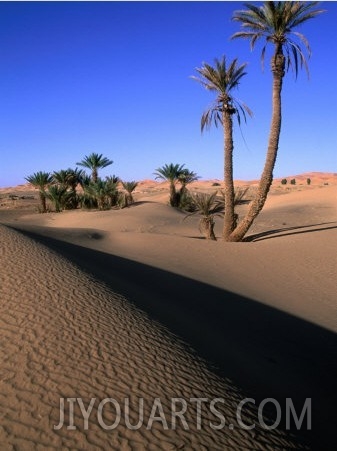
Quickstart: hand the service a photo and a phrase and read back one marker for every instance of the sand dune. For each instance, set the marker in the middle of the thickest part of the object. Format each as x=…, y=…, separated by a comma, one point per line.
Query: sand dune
x=133, y=304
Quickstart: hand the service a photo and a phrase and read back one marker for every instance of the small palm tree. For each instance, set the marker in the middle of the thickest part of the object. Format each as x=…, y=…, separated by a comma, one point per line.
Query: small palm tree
x=74, y=178
x=59, y=196
x=94, y=161
x=275, y=23
x=114, y=194
x=129, y=188
x=101, y=192
x=41, y=180
x=61, y=178
x=222, y=79
x=69, y=179
x=208, y=206
x=171, y=172
x=186, y=176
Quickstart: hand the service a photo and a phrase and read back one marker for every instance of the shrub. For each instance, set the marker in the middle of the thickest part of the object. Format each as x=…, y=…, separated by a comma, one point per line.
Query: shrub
x=216, y=184
x=308, y=181
x=284, y=181
x=293, y=181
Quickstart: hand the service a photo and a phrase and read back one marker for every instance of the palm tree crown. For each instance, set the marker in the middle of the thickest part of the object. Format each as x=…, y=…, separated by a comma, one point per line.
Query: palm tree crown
x=275, y=22
x=186, y=176
x=170, y=172
x=94, y=161
x=40, y=179
x=222, y=80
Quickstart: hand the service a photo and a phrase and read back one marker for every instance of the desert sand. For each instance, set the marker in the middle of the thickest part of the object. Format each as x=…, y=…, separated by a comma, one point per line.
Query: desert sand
x=133, y=304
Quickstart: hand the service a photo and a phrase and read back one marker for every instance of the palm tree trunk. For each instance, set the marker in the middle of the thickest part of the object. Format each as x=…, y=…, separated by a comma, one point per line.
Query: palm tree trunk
x=43, y=202
x=207, y=225
x=173, y=195
x=267, y=175
x=229, y=218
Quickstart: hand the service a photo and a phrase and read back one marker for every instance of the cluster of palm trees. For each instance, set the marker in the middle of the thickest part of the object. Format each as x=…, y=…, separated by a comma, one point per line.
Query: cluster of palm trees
x=208, y=205
x=72, y=188
x=275, y=23
x=177, y=174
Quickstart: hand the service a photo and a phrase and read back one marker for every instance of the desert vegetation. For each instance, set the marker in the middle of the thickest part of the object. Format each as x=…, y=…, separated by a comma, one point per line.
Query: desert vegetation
x=69, y=189
x=273, y=23
x=176, y=174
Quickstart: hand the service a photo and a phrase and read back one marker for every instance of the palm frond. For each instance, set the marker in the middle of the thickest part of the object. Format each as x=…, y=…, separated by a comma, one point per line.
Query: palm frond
x=275, y=22
x=222, y=78
x=206, y=204
x=169, y=172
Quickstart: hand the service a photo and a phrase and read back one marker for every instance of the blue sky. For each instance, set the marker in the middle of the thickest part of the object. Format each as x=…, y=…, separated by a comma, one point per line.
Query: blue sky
x=114, y=78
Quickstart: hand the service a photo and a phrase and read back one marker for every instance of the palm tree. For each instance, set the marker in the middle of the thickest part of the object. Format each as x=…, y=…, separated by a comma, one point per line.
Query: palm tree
x=222, y=80
x=59, y=195
x=186, y=176
x=171, y=172
x=129, y=188
x=94, y=161
x=274, y=22
x=101, y=193
x=208, y=206
x=41, y=180
x=115, y=195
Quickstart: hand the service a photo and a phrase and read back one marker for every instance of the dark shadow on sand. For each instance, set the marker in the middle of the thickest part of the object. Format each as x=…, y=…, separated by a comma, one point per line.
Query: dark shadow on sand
x=268, y=353
x=277, y=233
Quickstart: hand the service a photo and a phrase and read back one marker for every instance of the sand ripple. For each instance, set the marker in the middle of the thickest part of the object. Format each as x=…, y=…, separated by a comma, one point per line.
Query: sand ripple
x=64, y=334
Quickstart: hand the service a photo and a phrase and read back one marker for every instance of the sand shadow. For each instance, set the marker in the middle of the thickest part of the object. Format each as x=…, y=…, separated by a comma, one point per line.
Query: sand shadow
x=266, y=352
x=277, y=233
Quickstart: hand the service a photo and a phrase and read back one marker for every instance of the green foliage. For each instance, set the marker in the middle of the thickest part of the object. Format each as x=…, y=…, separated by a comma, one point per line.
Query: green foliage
x=284, y=181
x=94, y=161
x=222, y=79
x=176, y=173
x=308, y=181
x=293, y=181
x=101, y=191
x=59, y=196
x=41, y=180
x=169, y=172
x=113, y=179
x=208, y=206
x=275, y=22
x=186, y=176
x=129, y=188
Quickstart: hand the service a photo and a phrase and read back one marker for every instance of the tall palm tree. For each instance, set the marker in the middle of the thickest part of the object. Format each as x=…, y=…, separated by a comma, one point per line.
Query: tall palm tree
x=171, y=172
x=274, y=22
x=223, y=79
x=41, y=180
x=94, y=161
